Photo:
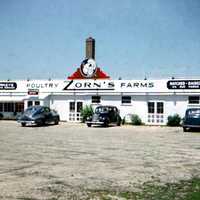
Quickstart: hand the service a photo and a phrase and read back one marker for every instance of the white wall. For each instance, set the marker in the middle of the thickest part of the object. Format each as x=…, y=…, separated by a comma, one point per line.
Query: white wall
x=172, y=104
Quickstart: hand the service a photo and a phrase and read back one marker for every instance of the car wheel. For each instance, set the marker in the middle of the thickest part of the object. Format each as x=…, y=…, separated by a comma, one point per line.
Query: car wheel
x=56, y=121
x=119, y=121
x=23, y=124
x=105, y=124
x=185, y=129
x=40, y=122
x=89, y=125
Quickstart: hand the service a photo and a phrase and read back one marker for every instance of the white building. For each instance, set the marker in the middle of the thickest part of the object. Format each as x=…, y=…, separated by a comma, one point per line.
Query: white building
x=152, y=100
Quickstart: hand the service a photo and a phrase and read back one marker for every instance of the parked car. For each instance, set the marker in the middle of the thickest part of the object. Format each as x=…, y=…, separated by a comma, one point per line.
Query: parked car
x=191, y=119
x=38, y=115
x=104, y=115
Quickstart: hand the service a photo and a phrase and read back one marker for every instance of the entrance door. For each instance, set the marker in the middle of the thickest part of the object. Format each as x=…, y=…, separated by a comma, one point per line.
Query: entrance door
x=155, y=112
x=75, y=108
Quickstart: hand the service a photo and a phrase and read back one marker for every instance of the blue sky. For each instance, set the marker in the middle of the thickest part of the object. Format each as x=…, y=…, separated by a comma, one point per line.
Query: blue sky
x=134, y=38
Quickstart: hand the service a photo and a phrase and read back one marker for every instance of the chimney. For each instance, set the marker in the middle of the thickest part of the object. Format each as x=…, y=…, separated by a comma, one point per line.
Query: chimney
x=90, y=48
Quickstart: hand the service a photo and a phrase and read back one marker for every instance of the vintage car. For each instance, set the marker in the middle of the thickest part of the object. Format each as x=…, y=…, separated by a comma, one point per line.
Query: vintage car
x=104, y=115
x=191, y=119
x=38, y=115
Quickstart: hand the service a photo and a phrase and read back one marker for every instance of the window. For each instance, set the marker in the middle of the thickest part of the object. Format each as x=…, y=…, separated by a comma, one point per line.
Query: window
x=160, y=108
x=96, y=99
x=193, y=99
x=151, y=107
x=19, y=106
x=1, y=107
x=72, y=107
x=79, y=106
x=8, y=107
x=126, y=100
x=30, y=103
x=37, y=103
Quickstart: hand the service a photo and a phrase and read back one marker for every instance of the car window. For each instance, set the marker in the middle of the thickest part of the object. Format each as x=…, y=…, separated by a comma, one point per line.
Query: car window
x=193, y=113
x=101, y=109
x=30, y=110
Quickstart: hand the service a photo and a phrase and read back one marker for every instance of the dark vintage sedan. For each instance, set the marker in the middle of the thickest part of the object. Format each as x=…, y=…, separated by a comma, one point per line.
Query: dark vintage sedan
x=105, y=115
x=191, y=119
x=38, y=115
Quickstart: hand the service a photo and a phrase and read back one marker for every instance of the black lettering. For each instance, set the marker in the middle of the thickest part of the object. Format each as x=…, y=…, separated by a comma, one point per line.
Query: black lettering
x=56, y=85
x=78, y=85
x=97, y=85
x=143, y=84
x=68, y=85
x=151, y=84
x=111, y=85
x=122, y=85
x=136, y=85
x=87, y=84
x=50, y=85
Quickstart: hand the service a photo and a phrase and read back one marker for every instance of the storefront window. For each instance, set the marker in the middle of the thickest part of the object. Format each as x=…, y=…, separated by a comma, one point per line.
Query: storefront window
x=30, y=103
x=19, y=107
x=37, y=103
x=151, y=107
x=1, y=107
x=160, y=108
x=193, y=99
x=79, y=106
x=126, y=100
x=8, y=107
x=96, y=99
x=72, y=106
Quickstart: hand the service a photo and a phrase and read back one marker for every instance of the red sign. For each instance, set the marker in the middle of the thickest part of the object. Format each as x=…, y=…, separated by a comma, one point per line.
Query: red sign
x=88, y=70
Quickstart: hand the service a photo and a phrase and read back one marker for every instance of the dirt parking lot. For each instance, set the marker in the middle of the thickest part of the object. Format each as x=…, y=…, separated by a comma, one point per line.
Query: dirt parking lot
x=64, y=161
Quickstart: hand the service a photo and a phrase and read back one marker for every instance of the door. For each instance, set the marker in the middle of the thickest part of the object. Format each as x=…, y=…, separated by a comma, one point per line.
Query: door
x=75, y=108
x=155, y=112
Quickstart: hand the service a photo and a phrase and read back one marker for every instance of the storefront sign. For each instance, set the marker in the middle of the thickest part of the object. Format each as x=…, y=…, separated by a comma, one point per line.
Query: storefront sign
x=33, y=92
x=89, y=85
x=183, y=84
x=8, y=86
x=42, y=85
x=108, y=85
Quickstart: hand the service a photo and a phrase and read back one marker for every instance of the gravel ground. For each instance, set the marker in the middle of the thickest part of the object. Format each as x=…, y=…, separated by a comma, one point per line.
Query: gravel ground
x=64, y=161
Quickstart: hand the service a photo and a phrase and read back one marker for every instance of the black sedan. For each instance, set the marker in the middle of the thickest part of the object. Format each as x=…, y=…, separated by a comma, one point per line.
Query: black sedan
x=104, y=115
x=38, y=115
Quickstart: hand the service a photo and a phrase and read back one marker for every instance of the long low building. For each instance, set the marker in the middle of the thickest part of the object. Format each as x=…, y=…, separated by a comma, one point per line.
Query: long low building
x=152, y=100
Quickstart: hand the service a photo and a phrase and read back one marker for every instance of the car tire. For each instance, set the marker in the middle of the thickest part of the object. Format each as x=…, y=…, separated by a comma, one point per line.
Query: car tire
x=89, y=125
x=119, y=121
x=56, y=121
x=23, y=124
x=40, y=123
x=185, y=129
x=105, y=124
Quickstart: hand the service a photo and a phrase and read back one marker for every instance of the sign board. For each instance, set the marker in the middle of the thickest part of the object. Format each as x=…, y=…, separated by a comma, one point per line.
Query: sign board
x=8, y=85
x=183, y=84
x=33, y=92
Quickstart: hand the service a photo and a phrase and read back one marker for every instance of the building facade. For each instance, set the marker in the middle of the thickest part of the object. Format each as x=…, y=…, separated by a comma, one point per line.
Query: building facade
x=152, y=100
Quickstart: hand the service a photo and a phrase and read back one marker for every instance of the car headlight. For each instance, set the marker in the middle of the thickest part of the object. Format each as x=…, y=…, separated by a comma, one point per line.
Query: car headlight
x=101, y=118
x=88, y=118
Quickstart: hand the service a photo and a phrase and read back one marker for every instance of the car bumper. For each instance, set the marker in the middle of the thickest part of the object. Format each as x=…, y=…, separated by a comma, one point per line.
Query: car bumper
x=95, y=122
x=191, y=126
x=31, y=122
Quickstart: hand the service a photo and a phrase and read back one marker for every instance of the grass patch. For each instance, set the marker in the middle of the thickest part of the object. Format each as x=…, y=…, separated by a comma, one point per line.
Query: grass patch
x=183, y=190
